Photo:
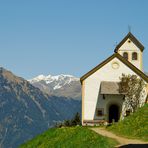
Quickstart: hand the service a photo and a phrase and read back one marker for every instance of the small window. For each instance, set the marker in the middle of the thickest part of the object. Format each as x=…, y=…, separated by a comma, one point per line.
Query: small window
x=99, y=111
x=125, y=55
x=134, y=56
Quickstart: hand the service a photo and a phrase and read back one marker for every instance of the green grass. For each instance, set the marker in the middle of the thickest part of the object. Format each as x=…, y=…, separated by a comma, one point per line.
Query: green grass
x=72, y=137
x=134, y=126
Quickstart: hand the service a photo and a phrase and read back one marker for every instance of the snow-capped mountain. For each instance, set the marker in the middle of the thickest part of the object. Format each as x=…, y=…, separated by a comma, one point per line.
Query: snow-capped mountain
x=60, y=85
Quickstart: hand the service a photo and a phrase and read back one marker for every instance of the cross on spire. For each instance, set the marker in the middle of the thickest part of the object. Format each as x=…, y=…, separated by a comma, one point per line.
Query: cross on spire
x=129, y=28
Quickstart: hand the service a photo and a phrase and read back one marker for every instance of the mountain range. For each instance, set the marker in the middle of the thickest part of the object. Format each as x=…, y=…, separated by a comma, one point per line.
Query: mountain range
x=26, y=111
x=60, y=85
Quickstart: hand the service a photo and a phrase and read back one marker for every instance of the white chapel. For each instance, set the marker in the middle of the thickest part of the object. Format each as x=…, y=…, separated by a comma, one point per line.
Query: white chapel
x=101, y=99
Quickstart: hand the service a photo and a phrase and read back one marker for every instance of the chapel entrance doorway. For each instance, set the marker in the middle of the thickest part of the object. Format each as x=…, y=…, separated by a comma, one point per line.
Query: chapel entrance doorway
x=113, y=113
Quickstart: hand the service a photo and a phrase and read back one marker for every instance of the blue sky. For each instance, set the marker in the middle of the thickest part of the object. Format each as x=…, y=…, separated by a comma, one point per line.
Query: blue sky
x=66, y=36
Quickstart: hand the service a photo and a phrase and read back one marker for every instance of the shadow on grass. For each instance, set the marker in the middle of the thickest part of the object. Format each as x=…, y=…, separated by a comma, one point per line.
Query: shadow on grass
x=135, y=146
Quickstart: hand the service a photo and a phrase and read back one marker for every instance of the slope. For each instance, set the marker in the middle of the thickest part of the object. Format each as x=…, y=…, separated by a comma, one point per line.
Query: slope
x=70, y=137
x=134, y=126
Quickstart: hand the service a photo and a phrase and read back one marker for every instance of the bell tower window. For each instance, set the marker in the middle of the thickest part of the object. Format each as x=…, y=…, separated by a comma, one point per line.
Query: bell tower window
x=134, y=56
x=125, y=55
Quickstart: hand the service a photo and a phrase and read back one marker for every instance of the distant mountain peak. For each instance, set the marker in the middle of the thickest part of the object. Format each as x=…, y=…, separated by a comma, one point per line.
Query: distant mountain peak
x=62, y=79
x=38, y=78
x=56, y=77
x=59, y=85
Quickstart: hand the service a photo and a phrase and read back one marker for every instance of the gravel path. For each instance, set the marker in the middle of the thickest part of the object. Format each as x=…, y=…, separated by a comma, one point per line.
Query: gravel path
x=122, y=141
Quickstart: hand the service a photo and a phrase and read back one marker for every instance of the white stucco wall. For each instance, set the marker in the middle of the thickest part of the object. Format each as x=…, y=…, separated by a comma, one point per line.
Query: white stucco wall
x=105, y=103
x=92, y=98
x=130, y=48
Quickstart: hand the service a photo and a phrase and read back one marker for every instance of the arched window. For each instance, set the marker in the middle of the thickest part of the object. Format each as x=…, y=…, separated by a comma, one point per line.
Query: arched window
x=134, y=56
x=125, y=55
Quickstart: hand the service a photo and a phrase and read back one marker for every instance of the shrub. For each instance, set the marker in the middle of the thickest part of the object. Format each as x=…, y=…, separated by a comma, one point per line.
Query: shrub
x=68, y=123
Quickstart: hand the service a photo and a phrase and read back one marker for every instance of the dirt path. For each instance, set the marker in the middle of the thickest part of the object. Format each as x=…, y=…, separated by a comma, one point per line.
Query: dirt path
x=122, y=141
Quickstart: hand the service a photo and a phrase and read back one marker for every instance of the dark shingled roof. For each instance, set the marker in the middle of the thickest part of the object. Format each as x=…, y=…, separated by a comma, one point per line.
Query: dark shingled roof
x=127, y=63
x=133, y=39
x=108, y=87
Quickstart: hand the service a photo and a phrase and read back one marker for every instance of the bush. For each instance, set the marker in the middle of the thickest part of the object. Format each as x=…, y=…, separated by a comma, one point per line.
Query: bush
x=76, y=120
x=68, y=123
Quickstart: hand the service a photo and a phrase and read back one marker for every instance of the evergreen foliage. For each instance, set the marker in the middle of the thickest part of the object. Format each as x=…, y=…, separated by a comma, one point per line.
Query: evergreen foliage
x=76, y=121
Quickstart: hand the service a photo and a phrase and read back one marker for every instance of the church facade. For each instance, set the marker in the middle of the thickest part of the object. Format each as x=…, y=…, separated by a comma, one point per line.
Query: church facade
x=101, y=98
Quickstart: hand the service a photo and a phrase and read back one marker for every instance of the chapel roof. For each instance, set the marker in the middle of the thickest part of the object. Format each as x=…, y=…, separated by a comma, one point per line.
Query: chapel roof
x=133, y=39
x=108, y=87
x=126, y=62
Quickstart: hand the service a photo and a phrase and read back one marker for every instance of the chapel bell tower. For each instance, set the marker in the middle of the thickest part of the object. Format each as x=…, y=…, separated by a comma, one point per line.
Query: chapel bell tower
x=132, y=50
